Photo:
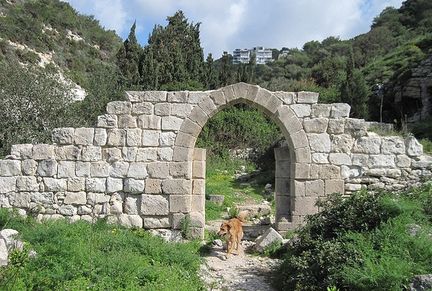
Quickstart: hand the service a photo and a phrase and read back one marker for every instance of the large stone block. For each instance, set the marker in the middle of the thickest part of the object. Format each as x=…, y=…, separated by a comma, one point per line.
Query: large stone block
x=153, y=186
x=7, y=184
x=176, y=186
x=321, y=110
x=146, y=154
x=29, y=167
x=382, y=161
x=142, y=108
x=107, y=121
x=403, y=161
x=116, y=137
x=392, y=145
x=130, y=221
x=413, y=147
x=119, y=107
x=167, y=139
x=149, y=96
x=133, y=186
x=114, y=185
x=180, y=203
x=27, y=183
x=198, y=203
x=154, y=205
x=84, y=136
x=22, y=151
x=208, y=106
x=100, y=137
x=99, y=169
x=156, y=222
x=82, y=169
x=307, y=97
x=162, y=109
x=181, y=154
x=127, y=121
x=329, y=172
x=47, y=168
x=166, y=154
x=334, y=186
x=320, y=158
x=68, y=153
x=286, y=97
x=76, y=198
x=340, y=159
x=43, y=152
x=340, y=110
x=119, y=169
x=319, y=142
x=159, y=170
x=96, y=185
x=137, y=170
x=315, y=125
x=10, y=168
x=150, y=138
x=196, y=97
x=342, y=143
x=368, y=145
x=315, y=188
x=133, y=137
x=266, y=239
x=198, y=187
x=63, y=135
x=198, y=116
x=55, y=185
x=66, y=169
x=76, y=184
x=181, y=110
x=355, y=127
x=301, y=110
x=198, y=169
x=336, y=126
x=178, y=96
x=21, y=199
x=68, y=210
x=149, y=122
x=171, y=123
x=180, y=170
x=131, y=205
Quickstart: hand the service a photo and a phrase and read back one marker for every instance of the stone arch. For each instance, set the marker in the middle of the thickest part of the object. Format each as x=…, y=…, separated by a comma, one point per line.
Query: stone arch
x=293, y=162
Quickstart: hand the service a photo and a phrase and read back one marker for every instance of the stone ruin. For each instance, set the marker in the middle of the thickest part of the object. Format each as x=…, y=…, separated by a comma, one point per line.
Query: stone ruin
x=139, y=166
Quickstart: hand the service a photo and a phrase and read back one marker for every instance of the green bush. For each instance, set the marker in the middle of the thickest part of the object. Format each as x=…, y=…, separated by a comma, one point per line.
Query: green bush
x=361, y=243
x=82, y=256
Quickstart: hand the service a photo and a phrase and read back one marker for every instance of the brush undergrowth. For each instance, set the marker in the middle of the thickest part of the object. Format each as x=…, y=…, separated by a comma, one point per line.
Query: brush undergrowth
x=83, y=256
x=364, y=242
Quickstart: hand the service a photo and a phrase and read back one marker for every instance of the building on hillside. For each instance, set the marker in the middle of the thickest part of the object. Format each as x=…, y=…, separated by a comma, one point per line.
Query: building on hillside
x=262, y=55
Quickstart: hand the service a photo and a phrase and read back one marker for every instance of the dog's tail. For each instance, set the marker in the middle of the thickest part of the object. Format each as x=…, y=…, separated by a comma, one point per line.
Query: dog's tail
x=242, y=215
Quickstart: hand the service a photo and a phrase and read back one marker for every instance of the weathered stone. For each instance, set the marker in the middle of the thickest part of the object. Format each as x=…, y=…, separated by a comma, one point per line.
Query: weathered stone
x=116, y=137
x=100, y=137
x=271, y=236
x=301, y=110
x=150, y=137
x=355, y=127
x=107, y=121
x=29, y=167
x=149, y=122
x=422, y=162
x=76, y=184
x=130, y=221
x=91, y=153
x=349, y=172
x=196, y=97
x=95, y=184
x=68, y=210
x=315, y=125
x=10, y=168
x=181, y=110
x=127, y=121
x=340, y=159
x=158, y=170
x=4, y=253
x=84, y=136
x=22, y=151
x=55, y=185
x=27, y=183
x=336, y=126
x=146, y=154
x=342, y=143
x=321, y=110
x=142, y=108
x=42, y=198
x=76, y=198
x=392, y=145
x=176, y=186
x=180, y=170
x=167, y=138
x=137, y=170
x=66, y=169
x=133, y=186
x=7, y=184
x=47, y=168
x=97, y=198
x=180, y=203
x=307, y=97
x=178, y=96
x=286, y=97
x=69, y=153
x=82, y=169
x=421, y=282
x=153, y=186
x=43, y=152
x=413, y=147
x=403, y=161
x=360, y=159
x=119, y=107
x=131, y=205
x=114, y=185
x=340, y=110
x=171, y=123
x=63, y=135
x=367, y=145
x=166, y=154
x=154, y=222
x=129, y=154
x=162, y=109
x=319, y=142
x=150, y=96
x=118, y=169
x=21, y=199
x=154, y=205
x=334, y=186
x=382, y=161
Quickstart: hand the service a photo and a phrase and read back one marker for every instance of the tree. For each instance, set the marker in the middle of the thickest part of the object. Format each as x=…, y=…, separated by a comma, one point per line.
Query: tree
x=210, y=73
x=128, y=58
x=225, y=70
x=354, y=90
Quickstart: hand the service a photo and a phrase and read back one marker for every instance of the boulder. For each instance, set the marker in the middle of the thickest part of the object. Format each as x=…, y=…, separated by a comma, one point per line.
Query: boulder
x=269, y=237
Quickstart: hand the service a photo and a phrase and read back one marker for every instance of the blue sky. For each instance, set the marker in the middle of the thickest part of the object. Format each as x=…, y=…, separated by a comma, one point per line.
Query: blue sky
x=228, y=24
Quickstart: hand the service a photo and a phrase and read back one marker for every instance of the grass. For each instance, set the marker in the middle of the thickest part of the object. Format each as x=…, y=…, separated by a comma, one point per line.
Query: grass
x=220, y=180
x=82, y=256
x=427, y=145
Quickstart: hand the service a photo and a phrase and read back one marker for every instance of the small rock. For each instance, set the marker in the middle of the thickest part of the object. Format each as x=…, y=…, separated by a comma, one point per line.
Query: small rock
x=413, y=229
x=421, y=282
x=3, y=253
x=217, y=199
x=217, y=242
x=8, y=235
x=269, y=237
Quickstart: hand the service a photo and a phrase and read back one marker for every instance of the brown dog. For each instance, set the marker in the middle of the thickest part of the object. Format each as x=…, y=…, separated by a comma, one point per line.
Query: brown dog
x=232, y=230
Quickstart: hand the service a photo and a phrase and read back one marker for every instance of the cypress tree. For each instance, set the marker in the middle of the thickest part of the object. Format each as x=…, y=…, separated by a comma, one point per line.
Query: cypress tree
x=128, y=58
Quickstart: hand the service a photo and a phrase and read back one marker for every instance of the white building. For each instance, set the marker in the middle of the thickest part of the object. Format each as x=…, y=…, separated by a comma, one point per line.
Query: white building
x=241, y=56
x=262, y=55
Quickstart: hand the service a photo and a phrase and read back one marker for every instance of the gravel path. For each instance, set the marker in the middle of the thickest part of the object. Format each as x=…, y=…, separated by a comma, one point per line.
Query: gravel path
x=238, y=272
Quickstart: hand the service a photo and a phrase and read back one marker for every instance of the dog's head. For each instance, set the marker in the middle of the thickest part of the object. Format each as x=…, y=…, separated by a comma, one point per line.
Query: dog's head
x=224, y=228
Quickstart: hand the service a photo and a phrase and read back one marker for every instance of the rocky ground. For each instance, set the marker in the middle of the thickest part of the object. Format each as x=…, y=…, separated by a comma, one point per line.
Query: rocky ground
x=243, y=271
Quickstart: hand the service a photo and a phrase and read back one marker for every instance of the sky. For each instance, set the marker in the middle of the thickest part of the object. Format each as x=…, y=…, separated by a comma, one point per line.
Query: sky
x=230, y=24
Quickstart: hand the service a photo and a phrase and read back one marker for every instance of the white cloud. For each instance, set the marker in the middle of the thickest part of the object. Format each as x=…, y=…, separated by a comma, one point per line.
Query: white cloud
x=228, y=24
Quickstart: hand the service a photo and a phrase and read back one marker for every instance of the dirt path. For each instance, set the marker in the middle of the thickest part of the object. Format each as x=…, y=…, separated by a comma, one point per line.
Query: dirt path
x=238, y=272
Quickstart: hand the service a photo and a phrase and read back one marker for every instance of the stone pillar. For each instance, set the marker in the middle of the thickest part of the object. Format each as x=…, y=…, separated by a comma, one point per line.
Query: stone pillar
x=283, y=195
x=197, y=214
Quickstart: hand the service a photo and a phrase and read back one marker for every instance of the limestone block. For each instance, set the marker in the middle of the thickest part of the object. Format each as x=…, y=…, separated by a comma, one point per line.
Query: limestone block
x=320, y=158
x=350, y=172
x=180, y=170
x=84, y=136
x=305, y=205
x=283, y=169
x=198, y=203
x=137, y=170
x=55, y=185
x=286, y=97
x=118, y=169
x=392, y=145
x=171, y=123
x=307, y=97
x=178, y=97
x=342, y=143
x=199, y=154
x=66, y=169
x=129, y=153
x=149, y=122
x=119, y=107
x=299, y=140
x=99, y=169
x=315, y=188
x=76, y=198
x=84, y=210
x=352, y=187
x=159, y=170
x=403, y=161
x=21, y=199
x=127, y=121
x=146, y=154
x=154, y=205
x=198, y=116
x=107, y=121
x=340, y=159
x=360, y=160
x=153, y=186
x=199, y=169
x=422, y=162
x=177, y=220
x=176, y=186
x=181, y=154
x=112, y=155
x=82, y=169
x=302, y=155
x=315, y=125
x=142, y=108
x=47, y=168
x=198, y=187
x=329, y=172
x=63, y=135
x=68, y=153
x=218, y=97
x=155, y=222
x=167, y=139
x=133, y=186
x=165, y=154
x=301, y=110
x=10, y=168
x=116, y=137
x=180, y=203
x=131, y=205
x=150, y=138
x=130, y=221
x=100, y=137
x=150, y=96
x=43, y=152
x=340, y=110
x=269, y=237
x=382, y=161
x=114, y=185
x=319, y=142
x=355, y=127
x=97, y=198
x=321, y=110
x=29, y=167
x=393, y=173
x=7, y=184
x=27, y=183
x=91, y=153
x=334, y=186
x=181, y=109
x=162, y=109
x=76, y=184
x=68, y=210
x=133, y=137
x=207, y=106
x=336, y=126
x=95, y=184
x=413, y=147
x=301, y=171
x=190, y=127
x=367, y=145
x=185, y=140
x=195, y=97
x=22, y=151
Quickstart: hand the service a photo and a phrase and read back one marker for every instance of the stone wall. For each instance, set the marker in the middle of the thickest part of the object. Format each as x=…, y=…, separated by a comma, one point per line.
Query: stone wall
x=140, y=168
